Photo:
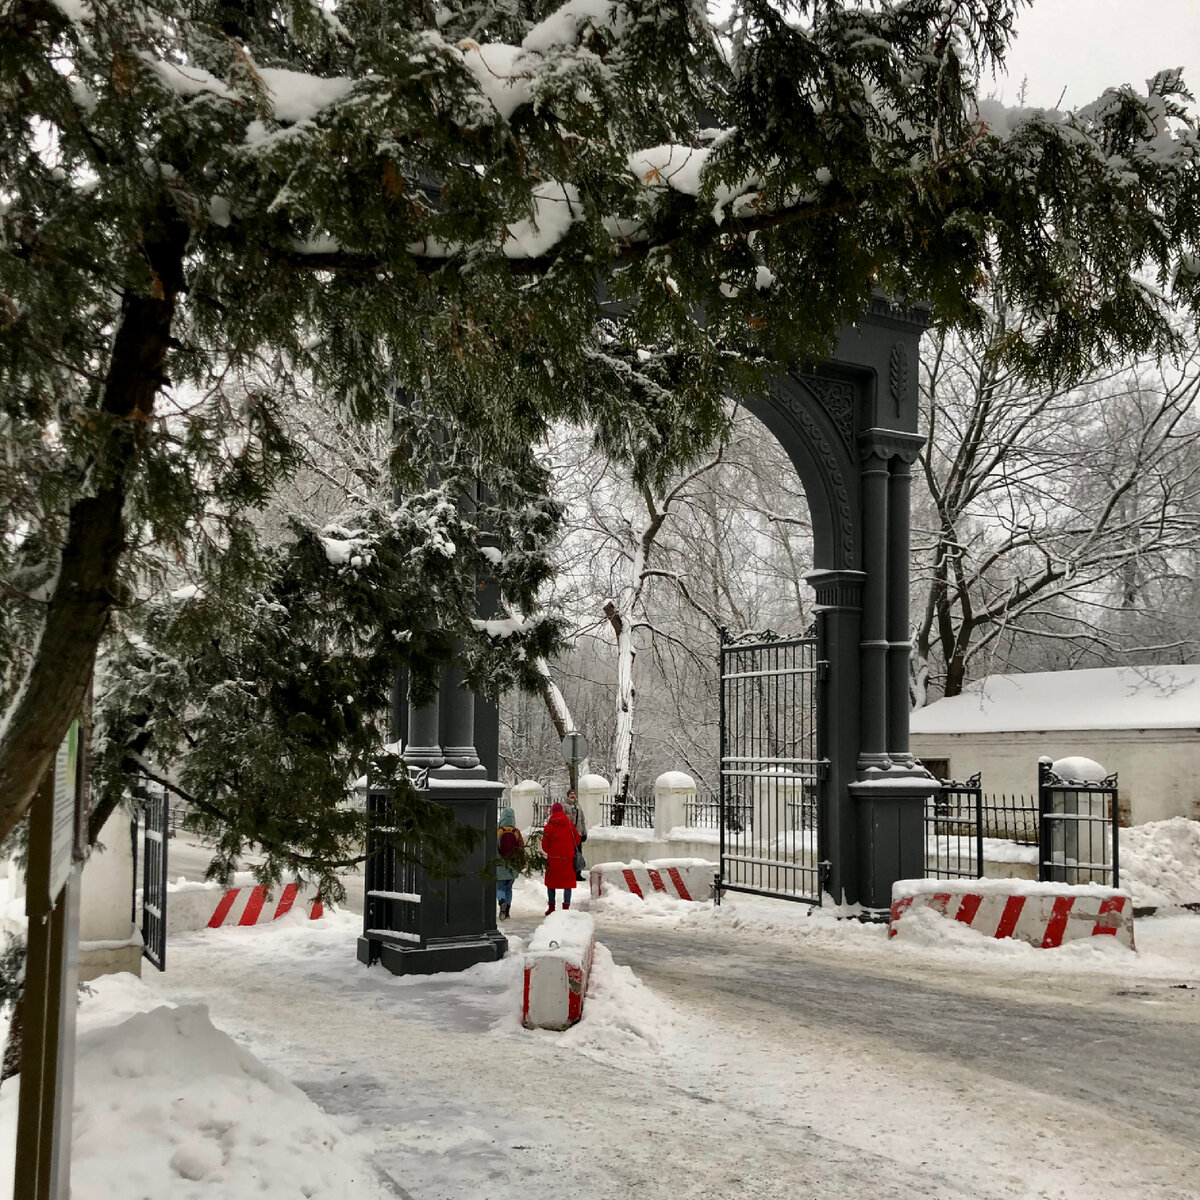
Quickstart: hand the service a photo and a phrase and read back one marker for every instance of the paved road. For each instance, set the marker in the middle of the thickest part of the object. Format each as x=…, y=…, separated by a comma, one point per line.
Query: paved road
x=1129, y=1051
x=1092, y=1075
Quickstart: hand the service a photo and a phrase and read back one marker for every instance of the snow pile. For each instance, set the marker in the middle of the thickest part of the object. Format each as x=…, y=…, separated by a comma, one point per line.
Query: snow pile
x=621, y=833
x=563, y=933
x=961, y=847
x=298, y=96
x=167, y=1105
x=345, y=548
x=622, y=1016
x=619, y=902
x=675, y=779
x=1160, y=862
x=655, y=864
x=1002, y=887
x=1077, y=769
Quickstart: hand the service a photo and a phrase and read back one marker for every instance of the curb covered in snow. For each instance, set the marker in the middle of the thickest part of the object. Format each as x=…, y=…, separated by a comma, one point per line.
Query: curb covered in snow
x=557, y=966
x=1043, y=914
x=682, y=878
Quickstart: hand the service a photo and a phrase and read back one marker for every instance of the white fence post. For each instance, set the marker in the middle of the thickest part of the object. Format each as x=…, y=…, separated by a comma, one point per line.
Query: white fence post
x=672, y=792
x=592, y=791
x=524, y=798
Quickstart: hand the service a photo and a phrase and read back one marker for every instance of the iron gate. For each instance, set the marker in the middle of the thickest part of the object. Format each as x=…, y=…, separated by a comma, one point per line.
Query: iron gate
x=154, y=814
x=771, y=776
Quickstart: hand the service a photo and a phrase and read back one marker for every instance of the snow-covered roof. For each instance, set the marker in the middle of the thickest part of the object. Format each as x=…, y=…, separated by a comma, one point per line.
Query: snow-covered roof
x=1105, y=698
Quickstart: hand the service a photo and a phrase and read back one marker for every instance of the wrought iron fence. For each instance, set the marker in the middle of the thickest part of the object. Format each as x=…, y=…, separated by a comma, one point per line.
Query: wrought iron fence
x=1011, y=818
x=541, y=812
x=1079, y=840
x=636, y=812
x=954, y=826
x=704, y=812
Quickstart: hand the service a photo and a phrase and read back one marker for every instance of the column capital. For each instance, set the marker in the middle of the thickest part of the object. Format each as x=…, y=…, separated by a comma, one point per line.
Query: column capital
x=837, y=589
x=890, y=443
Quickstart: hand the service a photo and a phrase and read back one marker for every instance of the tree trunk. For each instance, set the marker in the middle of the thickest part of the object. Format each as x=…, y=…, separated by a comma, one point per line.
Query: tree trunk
x=88, y=585
x=560, y=714
x=626, y=697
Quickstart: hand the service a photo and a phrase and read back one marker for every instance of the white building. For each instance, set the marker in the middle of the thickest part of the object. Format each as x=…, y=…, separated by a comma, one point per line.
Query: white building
x=1141, y=722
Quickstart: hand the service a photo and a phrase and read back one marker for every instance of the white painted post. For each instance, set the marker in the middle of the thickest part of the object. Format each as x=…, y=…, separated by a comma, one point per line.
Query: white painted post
x=524, y=798
x=777, y=796
x=672, y=792
x=1078, y=769
x=105, y=928
x=591, y=793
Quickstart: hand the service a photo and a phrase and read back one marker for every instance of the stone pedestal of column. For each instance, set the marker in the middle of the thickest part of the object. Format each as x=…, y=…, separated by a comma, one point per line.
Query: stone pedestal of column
x=890, y=808
x=415, y=924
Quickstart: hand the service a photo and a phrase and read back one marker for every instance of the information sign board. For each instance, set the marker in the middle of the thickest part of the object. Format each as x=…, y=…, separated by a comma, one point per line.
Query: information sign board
x=62, y=837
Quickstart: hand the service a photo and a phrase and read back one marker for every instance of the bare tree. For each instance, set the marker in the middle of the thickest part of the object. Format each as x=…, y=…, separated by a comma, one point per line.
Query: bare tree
x=651, y=576
x=1051, y=515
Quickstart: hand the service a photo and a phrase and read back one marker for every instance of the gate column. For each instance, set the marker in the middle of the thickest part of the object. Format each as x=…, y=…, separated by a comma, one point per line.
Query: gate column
x=898, y=622
x=839, y=633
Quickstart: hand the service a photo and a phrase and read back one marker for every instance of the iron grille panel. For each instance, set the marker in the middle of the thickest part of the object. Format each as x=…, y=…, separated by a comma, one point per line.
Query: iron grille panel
x=1079, y=840
x=394, y=879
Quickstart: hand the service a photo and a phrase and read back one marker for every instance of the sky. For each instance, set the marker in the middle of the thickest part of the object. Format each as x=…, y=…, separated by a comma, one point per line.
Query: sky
x=1085, y=46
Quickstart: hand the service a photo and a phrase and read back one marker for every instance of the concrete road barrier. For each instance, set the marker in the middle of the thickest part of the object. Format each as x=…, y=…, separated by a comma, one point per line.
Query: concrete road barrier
x=557, y=966
x=682, y=878
x=1043, y=914
x=199, y=906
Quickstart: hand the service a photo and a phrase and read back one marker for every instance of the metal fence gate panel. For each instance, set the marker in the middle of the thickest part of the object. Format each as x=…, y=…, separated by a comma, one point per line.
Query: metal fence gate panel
x=771, y=777
x=394, y=880
x=1079, y=840
x=954, y=827
x=155, y=816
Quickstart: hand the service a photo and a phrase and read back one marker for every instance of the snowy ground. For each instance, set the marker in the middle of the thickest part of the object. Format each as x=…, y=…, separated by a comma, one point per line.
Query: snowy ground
x=428, y=1088
x=756, y=1050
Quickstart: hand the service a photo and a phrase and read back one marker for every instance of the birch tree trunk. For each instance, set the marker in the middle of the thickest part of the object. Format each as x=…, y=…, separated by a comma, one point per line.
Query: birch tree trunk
x=626, y=698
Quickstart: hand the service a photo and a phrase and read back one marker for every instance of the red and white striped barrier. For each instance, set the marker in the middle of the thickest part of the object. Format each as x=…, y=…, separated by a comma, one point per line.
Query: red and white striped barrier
x=1043, y=914
x=682, y=878
x=257, y=906
x=557, y=966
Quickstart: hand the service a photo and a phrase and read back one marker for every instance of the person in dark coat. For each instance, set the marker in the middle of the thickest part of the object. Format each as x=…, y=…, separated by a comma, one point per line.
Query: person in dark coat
x=510, y=846
x=560, y=839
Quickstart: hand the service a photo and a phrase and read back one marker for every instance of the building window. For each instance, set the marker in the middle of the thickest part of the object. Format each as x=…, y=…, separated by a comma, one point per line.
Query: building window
x=939, y=768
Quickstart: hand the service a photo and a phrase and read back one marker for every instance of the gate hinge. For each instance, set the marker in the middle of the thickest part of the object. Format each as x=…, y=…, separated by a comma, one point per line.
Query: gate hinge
x=823, y=769
x=822, y=668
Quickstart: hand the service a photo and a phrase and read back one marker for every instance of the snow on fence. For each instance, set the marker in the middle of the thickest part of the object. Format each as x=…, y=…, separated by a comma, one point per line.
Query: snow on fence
x=1043, y=914
x=557, y=966
x=682, y=878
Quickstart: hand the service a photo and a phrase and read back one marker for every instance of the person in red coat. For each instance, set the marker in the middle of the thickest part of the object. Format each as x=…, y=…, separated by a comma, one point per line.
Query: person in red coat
x=560, y=840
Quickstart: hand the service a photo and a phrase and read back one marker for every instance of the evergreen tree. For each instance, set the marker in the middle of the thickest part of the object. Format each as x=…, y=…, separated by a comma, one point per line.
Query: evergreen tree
x=609, y=213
